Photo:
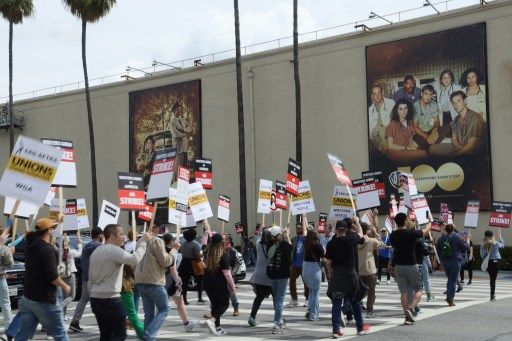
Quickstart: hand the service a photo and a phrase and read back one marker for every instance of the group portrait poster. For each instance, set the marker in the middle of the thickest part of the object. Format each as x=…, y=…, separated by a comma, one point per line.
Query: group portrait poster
x=165, y=117
x=428, y=114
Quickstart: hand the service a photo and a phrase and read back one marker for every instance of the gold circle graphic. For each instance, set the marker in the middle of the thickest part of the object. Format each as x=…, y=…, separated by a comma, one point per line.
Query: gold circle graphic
x=426, y=178
x=450, y=176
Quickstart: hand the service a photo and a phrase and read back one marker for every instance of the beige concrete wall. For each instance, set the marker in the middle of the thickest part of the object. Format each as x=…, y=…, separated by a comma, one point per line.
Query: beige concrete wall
x=333, y=107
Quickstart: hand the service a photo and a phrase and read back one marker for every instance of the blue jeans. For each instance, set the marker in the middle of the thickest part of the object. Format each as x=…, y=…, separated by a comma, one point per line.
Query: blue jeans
x=5, y=302
x=14, y=327
x=153, y=296
x=50, y=315
x=452, y=270
x=278, y=293
x=336, y=314
x=424, y=274
x=312, y=276
x=136, y=297
x=234, y=300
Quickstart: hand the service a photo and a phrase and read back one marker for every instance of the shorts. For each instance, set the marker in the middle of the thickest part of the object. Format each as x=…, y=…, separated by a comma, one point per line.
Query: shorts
x=408, y=277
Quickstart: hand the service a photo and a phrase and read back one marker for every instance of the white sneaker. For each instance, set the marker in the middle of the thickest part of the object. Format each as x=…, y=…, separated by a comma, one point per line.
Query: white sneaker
x=378, y=282
x=292, y=304
x=371, y=315
x=191, y=325
x=220, y=332
x=305, y=303
x=388, y=282
x=211, y=326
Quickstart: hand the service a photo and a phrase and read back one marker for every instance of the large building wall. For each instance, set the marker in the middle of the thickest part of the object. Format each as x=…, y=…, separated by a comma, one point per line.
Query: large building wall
x=333, y=112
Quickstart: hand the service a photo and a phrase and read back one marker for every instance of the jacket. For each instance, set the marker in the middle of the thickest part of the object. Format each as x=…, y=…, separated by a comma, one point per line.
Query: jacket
x=459, y=247
x=151, y=269
x=86, y=255
x=494, y=251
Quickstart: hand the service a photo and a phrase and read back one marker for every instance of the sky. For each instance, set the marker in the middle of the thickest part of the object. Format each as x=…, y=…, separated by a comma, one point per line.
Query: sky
x=47, y=46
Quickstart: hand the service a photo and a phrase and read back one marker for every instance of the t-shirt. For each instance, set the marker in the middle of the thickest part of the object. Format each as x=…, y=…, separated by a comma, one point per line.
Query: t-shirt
x=190, y=249
x=216, y=280
x=298, y=255
x=404, y=246
x=401, y=134
x=316, y=252
x=342, y=250
x=424, y=116
x=365, y=259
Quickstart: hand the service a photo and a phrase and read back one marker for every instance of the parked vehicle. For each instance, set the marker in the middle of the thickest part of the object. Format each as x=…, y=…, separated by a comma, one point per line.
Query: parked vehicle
x=14, y=277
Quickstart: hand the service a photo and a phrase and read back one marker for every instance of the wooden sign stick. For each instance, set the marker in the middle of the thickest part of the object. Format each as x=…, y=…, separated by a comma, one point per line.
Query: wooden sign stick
x=154, y=215
x=281, y=218
x=178, y=229
x=351, y=200
x=263, y=219
x=222, y=228
x=289, y=209
x=134, y=227
x=61, y=224
x=27, y=226
x=14, y=228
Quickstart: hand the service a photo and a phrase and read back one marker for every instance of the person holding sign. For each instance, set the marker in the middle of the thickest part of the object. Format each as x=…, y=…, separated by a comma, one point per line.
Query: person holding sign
x=42, y=286
x=408, y=275
x=467, y=263
x=192, y=252
x=105, y=281
x=69, y=270
x=297, y=259
x=6, y=261
x=344, y=286
x=450, y=248
x=490, y=251
x=312, y=272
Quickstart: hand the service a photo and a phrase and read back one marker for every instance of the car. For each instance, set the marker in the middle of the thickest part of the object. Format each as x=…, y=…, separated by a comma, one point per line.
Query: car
x=19, y=256
x=14, y=277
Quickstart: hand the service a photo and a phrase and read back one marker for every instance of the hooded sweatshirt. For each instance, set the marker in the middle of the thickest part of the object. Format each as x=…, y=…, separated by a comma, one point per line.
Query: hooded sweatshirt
x=40, y=270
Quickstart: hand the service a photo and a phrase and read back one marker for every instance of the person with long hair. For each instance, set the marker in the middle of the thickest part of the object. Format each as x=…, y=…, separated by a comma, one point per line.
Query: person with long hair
x=491, y=249
x=219, y=283
x=278, y=270
x=400, y=132
x=191, y=250
x=69, y=270
x=259, y=280
x=127, y=287
x=472, y=81
x=312, y=272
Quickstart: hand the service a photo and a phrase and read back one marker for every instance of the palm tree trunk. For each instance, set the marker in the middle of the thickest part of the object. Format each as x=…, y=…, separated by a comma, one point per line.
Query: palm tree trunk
x=298, y=118
x=11, y=112
x=91, y=129
x=241, y=127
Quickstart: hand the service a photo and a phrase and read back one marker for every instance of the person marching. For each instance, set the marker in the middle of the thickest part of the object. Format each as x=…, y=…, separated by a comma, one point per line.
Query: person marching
x=467, y=263
x=278, y=270
x=384, y=256
x=69, y=270
x=312, y=272
x=218, y=282
x=259, y=280
x=490, y=250
x=344, y=284
x=297, y=258
x=191, y=251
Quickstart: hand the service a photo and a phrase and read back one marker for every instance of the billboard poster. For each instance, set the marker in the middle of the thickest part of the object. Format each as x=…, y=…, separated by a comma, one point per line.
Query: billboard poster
x=427, y=100
x=165, y=117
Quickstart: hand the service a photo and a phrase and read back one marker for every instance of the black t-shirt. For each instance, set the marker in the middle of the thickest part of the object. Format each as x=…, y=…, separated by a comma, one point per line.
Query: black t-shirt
x=216, y=280
x=316, y=252
x=342, y=250
x=404, y=245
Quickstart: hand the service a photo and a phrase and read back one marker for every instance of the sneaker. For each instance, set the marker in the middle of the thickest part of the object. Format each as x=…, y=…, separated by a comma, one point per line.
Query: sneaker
x=417, y=310
x=371, y=315
x=462, y=281
x=445, y=292
x=292, y=304
x=450, y=303
x=409, y=314
x=207, y=316
x=388, y=282
x=192, y=324
x=315, y=318
x=493, y=299
x=407, y=322
x=460, y=288
x=220, y=332
x=49, y=337
x=252, y=321
x=338, y=334
x=469, y=283
x=308, y=314
x=67, y=317
x=211, y=326
x=6, y=337
x=365, y=330
x=305, y=303
x=378, y=282
x=75, y=327
x=201, y=301
x=430, y=298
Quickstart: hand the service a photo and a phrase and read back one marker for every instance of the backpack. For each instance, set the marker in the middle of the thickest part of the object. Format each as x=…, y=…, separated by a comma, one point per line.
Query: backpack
x=447, y=251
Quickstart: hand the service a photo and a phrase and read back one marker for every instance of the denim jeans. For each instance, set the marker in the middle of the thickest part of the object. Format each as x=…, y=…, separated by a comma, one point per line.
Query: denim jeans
x=71, y=281
x=336, y=314
x=312, y=276
x=424, y=274
x=278, y=293
x=452, y=270
x=50, y=316
x=5, y=302
x=153, y=296
x=234, y=300
x=14, y=327
x=111, y=317
x=80, y=306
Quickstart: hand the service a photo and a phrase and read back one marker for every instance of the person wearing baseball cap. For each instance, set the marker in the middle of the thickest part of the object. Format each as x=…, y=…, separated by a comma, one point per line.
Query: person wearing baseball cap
x=344, y=284
x=42, y=286
x=490, y=250
x=278, y=270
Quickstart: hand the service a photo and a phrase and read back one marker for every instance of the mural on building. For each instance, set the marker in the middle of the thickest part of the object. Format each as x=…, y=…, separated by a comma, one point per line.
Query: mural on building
x=163, y=117
x=428, y=114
